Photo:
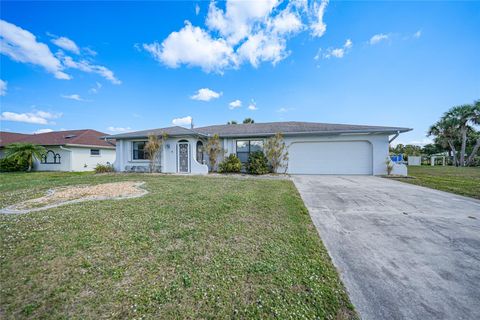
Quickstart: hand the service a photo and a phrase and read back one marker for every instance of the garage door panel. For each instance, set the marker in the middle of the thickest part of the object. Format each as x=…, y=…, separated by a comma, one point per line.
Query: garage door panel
x=336, y=157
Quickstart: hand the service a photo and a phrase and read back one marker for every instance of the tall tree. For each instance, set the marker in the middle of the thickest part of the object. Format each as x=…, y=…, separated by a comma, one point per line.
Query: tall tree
x=248, y=120
x=476, y=121
x=232, y=122
x=25, y=152
x=462, y=116
x=213, y=149
x=445, y=132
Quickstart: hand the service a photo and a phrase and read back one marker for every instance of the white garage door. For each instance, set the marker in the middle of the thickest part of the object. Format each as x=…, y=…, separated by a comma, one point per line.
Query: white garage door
x=336, y=157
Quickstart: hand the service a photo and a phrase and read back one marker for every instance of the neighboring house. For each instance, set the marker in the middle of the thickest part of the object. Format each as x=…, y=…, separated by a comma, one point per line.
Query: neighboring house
x=314, y=148
x=72, y=150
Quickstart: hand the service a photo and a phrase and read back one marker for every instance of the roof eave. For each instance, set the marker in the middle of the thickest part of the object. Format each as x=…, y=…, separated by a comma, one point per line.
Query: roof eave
x=325, y=133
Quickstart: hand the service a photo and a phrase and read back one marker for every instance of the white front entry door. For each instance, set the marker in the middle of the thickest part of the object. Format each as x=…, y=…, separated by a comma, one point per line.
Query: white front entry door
x=183, y=157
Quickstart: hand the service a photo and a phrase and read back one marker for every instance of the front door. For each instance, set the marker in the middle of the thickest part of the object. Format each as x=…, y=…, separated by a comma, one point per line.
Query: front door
x=183, y=161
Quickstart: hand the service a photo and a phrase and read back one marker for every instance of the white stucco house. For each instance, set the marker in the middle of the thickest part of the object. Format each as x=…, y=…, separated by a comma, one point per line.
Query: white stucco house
x=71, y=150
x=314, y=148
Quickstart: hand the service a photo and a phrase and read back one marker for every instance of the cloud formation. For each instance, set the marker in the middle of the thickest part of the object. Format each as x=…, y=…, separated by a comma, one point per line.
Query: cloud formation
x=74, y=96
x=235, y=104
x=244, y=32
x=42, y=131
x=37, y=117
x=185, y=121
x=22, y=46
x=205, y=94
x=252, y=106
x=336, y=52
x=377, y=38
x=119, y=129
x=66, y=44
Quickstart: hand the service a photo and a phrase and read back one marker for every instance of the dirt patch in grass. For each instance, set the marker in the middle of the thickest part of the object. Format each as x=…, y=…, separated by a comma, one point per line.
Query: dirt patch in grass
x=73, y=194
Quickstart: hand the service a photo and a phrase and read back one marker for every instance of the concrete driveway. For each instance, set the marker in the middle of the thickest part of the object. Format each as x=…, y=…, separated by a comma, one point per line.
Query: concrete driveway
x=403, y=251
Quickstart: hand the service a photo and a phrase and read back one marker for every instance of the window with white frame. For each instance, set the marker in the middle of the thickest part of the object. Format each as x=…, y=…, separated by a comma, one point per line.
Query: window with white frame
x=94, y=152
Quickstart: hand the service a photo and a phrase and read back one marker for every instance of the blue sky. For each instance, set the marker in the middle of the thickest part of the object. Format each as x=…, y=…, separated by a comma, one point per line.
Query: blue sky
x=115, y=66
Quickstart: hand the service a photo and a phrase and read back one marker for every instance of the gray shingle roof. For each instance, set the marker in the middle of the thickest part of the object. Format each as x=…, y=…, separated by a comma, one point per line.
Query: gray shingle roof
x=265, y=129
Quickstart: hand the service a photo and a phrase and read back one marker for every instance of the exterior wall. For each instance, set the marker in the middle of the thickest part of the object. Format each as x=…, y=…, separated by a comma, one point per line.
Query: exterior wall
x=65, y=161
x=81, y=160
x=77, y=159
x=167, y=158
x=379, y=147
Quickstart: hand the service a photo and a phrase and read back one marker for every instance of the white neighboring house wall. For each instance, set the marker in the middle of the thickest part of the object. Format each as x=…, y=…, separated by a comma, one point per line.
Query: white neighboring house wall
x=76, y=158
x=167, y=158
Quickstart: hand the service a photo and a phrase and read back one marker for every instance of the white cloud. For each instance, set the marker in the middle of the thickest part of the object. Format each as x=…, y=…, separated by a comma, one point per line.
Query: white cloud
x=244, y=32
x=95, y=89
x=119, y=129
x=335, y=52
x=417, y=34
x=89, y=51
x=185, y=121
x=197, y=9
x=319, y=27
x=87, y=66
x=252, y=106
x=235, y=104
x=284, y=110
x=194, y=47
x=66, y=44
x=378, y=38
x=42, y=131
x=37, y=117
x=73, y=97
x=205, y=94
x=3, y=87
x=22, y=46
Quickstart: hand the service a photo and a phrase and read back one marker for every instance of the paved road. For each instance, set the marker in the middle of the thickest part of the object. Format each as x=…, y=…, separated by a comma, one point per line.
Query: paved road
x=403, y=251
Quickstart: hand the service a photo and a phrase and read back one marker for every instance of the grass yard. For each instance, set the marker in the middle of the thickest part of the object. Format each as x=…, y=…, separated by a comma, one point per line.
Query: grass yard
x=193, y=247
x=462, y=181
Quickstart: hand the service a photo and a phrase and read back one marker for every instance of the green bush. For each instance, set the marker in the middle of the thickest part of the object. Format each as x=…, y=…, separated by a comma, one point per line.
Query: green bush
x=230, y=164
x=257, y=163
x=13, y=164
x=103, y=168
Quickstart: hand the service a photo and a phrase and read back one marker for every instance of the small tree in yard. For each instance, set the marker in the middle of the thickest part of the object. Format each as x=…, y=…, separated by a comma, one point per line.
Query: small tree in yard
x=276, y=152
x=152, y=148
x=213, y=150
x=24, y=152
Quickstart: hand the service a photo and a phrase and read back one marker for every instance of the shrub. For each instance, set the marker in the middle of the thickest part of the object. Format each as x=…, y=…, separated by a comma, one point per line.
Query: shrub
x=230, y=164
x=13, y=164
x=257, y=163
x=103, y=168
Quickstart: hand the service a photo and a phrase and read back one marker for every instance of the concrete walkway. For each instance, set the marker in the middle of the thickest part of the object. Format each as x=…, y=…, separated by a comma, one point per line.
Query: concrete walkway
x=403, y=251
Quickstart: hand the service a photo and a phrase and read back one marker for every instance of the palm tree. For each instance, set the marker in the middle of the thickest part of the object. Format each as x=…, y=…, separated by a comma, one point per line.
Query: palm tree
x=445, y=132
x=476, y=121
x=248, y=120
x=24, y=152
x=462, y=116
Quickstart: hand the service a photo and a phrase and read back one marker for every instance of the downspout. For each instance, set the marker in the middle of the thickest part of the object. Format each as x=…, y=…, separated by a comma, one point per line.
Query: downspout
x=394, y=137
x=71, y=159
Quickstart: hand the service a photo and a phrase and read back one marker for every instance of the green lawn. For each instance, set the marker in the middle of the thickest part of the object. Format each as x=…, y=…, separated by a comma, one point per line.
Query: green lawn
x=194, y=247
x=463, y=181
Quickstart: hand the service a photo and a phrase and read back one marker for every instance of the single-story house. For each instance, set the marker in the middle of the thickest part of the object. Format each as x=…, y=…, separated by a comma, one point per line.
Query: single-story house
x=71, y=150
x=314, y=148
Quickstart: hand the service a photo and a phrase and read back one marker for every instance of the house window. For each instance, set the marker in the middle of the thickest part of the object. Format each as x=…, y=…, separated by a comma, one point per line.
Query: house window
x=94, y=152
x=199, y=151
x=245, y=147
x=139, y=150
x=50, y=157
